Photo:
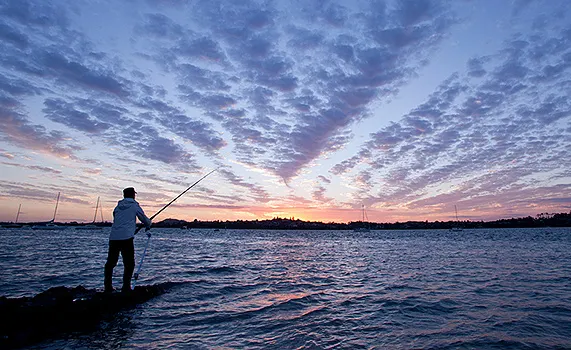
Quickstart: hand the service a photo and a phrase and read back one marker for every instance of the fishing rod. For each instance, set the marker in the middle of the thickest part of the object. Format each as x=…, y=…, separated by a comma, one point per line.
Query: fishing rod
x=136, y=275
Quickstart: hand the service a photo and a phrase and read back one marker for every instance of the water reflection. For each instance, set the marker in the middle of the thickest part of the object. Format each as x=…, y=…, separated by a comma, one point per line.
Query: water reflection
x=112, y=333
x=289, y=289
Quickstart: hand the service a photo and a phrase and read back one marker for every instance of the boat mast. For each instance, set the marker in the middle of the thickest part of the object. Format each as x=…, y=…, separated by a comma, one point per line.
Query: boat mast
x=96, y=206
x=55, y=211
x=18, y=215
x=456, y=209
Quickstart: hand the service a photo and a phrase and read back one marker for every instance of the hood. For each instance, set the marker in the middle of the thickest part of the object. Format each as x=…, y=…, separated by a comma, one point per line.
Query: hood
x=126, y=203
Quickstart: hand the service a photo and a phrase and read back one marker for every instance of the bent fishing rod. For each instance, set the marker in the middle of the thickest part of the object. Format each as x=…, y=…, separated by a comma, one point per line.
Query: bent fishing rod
x=136, y=275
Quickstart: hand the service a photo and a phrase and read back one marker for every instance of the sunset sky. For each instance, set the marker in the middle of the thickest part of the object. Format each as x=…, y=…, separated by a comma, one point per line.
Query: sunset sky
x=309, y=109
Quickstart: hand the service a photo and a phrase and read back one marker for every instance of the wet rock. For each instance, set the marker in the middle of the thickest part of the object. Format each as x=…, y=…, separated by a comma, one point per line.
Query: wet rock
x=28, y=320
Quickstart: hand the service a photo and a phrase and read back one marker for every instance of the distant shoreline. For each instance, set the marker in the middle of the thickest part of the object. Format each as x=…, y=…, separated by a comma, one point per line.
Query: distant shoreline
x=542, y=220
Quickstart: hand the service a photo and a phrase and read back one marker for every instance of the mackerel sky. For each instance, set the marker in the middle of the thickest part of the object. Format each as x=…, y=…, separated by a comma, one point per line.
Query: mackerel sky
x=309, y=109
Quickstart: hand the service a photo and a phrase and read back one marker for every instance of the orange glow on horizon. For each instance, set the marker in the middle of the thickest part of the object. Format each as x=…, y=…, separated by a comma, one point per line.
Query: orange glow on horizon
x=69, y=212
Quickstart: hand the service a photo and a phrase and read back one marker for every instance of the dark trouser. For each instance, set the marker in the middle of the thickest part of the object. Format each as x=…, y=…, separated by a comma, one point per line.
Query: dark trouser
x=127, y=250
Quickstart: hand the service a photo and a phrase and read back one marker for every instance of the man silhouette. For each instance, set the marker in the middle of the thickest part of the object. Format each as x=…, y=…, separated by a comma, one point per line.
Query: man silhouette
x=121, y=238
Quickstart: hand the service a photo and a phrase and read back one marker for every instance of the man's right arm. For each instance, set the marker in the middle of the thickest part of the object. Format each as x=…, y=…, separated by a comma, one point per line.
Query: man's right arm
x=144, y=219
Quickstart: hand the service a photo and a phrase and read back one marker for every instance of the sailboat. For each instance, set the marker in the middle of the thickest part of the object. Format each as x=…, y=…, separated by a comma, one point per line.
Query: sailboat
x=14, y=224
x=91, y=226
x=363, y=228
x=456, y=228
x=50, y=225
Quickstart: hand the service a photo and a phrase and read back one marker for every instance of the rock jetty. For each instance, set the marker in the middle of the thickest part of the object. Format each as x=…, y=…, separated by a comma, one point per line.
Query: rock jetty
x=29, y=320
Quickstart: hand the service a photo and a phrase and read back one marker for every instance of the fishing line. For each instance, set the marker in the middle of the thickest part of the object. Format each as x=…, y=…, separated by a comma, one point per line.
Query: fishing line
x=136, y=275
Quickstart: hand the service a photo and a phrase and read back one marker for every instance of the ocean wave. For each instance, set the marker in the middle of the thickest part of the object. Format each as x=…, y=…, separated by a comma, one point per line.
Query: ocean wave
x=492, y=289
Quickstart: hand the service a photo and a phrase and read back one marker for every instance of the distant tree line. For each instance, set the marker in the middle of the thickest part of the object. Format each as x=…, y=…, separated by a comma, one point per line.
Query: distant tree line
x=541, y=220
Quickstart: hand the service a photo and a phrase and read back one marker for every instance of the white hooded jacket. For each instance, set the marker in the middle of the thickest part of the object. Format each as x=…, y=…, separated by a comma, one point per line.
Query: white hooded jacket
x=125, y=216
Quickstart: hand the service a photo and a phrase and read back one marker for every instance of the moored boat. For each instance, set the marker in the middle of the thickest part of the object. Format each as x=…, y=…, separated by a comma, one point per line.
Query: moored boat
x=91, y=226
x=14, y=224
x=456, y=228
x=365, y=227
x=50, y=225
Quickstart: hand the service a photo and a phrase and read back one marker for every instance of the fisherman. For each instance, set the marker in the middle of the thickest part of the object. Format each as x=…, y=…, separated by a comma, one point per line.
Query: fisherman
x=121, y=238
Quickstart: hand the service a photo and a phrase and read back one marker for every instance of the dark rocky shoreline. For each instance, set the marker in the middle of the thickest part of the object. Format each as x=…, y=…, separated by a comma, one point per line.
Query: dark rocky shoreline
x=29, y=320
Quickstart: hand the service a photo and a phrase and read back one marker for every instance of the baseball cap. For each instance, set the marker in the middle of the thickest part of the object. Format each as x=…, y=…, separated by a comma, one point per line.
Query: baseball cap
x=129, y=192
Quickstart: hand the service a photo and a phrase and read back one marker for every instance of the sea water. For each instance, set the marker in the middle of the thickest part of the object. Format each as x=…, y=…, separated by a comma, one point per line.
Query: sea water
x=261, y=289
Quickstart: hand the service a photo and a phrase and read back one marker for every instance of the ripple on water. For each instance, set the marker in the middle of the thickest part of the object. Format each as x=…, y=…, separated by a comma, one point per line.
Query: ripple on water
x=313, y=290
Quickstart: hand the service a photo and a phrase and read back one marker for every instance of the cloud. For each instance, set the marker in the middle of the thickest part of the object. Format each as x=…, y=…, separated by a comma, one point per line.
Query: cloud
x=17, y=130
x=160, y=26
x=283, y=87
x=304, y=39
x=75, y=73
x=64, y=113
x=197, y=132
x=6, y=154
x=484, y=132
x=256, y=192
x=13, y=36
x=16, y=88
x=203, y=48
x=92, y=171
x=93, y=95
x=159, y=148
x=34, y=167
x=323, y=179
x=194, y=78
x=476, y=67
x=253, y=73
x=319, y=195
x=30, y=13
